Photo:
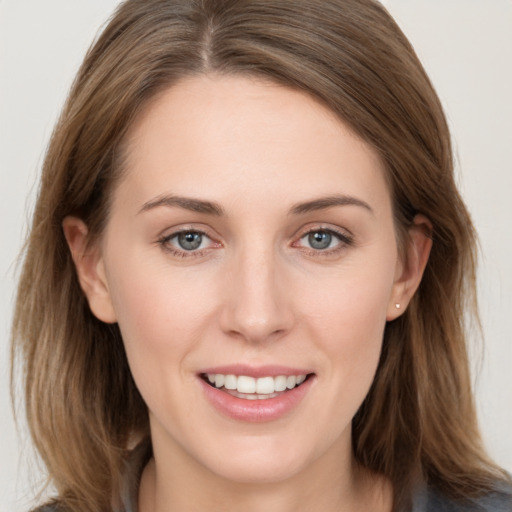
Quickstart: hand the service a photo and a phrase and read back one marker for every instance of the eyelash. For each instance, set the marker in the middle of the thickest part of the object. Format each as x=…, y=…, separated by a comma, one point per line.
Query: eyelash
x=344, y=240
x=164, y=242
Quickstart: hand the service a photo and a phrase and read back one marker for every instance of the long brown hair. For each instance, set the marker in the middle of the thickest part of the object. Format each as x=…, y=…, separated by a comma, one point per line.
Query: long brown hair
x=83, y=408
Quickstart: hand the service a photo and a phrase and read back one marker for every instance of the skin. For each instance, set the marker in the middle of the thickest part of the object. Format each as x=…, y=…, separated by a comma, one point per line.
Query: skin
x=256, y=292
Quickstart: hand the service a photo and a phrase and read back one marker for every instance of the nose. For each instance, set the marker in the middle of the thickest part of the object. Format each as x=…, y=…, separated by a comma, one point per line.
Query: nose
x=258, y=303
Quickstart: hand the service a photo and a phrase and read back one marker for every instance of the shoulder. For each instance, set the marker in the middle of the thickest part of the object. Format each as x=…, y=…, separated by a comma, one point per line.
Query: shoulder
x=499, y=500
x=136, y=461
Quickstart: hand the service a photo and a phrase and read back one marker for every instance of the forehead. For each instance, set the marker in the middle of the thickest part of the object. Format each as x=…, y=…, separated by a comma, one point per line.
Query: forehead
x=227, y=134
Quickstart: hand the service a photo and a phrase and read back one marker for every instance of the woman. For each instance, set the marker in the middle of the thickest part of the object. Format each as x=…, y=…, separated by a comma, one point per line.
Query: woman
x=248, y=269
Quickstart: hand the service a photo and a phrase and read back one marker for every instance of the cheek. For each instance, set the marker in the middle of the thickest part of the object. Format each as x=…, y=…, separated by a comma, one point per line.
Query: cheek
x=161, y=313
x=153, y=299
x=347, y=317
x=162, y=322
x=352, y=298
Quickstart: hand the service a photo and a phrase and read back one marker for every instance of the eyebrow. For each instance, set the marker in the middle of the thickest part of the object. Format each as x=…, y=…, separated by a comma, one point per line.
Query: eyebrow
x=211, y=208
x=323, y=203
x=187, y=203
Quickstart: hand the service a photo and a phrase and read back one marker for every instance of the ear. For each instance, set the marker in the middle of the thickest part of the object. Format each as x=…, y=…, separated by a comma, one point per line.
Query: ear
x=410, y=266
x=90, y=269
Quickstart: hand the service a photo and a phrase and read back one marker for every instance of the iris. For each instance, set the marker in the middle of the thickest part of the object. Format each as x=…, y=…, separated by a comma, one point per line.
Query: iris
x=320, y=240
x=190, y=240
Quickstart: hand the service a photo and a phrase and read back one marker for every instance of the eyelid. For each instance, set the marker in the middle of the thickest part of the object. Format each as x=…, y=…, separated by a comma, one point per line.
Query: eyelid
x=345, y=237
x=313, y=227
x=164, y=240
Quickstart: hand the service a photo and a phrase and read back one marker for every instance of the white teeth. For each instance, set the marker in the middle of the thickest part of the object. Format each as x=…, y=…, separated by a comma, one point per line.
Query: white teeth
x=246, y=384
x=230, y=382
x=219, y=380
x=280, y=383
x=255, y=388
x=253, y=396
x=265, y=386
x=290, y=381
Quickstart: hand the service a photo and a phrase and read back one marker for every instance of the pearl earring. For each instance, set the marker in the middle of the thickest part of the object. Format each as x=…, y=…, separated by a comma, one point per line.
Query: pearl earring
x=398, y=306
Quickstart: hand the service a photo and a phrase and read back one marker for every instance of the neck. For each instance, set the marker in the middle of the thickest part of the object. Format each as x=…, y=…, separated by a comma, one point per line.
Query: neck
x=175, y=482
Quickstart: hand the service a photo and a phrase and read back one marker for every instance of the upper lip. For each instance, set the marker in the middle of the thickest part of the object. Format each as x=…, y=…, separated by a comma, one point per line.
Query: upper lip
x=255, y=371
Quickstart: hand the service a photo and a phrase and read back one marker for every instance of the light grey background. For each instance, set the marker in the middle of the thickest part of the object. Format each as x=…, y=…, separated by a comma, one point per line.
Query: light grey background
x=466, y=46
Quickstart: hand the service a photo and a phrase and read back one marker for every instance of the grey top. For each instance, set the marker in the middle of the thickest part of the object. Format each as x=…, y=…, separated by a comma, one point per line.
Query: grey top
x=424, y=502
x=426, y=499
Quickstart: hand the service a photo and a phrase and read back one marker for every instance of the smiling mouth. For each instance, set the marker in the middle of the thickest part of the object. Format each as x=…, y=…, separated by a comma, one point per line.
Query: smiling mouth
x=251, y=388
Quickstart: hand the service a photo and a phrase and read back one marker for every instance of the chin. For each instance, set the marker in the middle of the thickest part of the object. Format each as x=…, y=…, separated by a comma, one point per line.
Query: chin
x=268, y=458
x=258, y=470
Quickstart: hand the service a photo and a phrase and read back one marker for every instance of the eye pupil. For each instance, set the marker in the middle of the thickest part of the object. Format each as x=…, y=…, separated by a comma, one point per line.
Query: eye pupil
x=190, y=241
x=320, y=240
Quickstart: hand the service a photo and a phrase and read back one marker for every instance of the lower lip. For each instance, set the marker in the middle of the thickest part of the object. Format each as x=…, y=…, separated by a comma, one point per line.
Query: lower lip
x=256, y=411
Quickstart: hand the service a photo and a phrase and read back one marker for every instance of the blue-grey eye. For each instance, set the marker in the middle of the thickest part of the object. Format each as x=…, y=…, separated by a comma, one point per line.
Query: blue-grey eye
x=320, y=240
x=189, y=240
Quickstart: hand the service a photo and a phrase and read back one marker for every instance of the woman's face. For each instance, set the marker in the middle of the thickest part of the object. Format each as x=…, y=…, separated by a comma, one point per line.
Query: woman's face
x=250, y=242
